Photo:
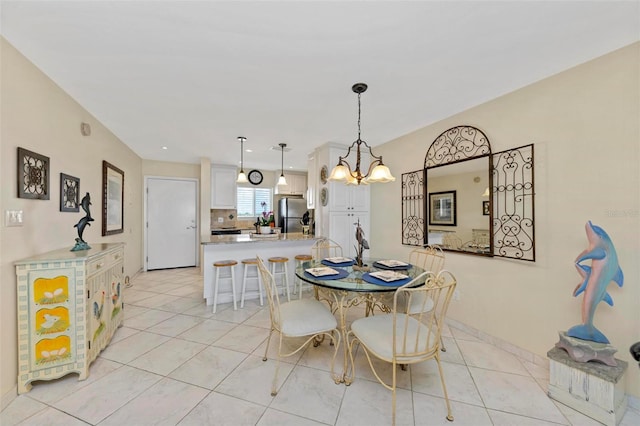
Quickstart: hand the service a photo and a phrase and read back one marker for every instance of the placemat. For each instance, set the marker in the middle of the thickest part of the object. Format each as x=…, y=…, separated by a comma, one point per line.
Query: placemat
x=392, y=268
x=341, y=274
x=341, y=264
x=373, y=280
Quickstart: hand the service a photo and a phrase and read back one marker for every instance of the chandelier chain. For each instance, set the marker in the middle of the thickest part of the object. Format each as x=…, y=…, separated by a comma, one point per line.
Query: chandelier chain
x=359, y=116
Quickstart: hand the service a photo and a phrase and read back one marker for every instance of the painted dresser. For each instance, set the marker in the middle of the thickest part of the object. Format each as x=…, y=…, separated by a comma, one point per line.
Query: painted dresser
x=69, y=306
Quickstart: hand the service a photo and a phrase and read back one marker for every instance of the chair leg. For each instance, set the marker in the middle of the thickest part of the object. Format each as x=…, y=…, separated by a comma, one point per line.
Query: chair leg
x=259, y=278
x=444, y=390
x=274, y=386
x=286, y=280
x=393, y=395
x=215, y=290
x=244, y=285
x=233, y=287
x=266, y=349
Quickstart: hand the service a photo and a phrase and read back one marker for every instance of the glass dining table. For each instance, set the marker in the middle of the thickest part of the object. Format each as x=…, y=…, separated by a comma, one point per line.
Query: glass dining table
x=352, y=286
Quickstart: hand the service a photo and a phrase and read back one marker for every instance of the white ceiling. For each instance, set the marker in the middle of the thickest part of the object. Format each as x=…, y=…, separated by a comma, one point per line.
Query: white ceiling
x=194, y=75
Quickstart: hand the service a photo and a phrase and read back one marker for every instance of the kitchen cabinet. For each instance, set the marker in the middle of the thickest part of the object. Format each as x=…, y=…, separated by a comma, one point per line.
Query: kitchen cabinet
x=348, y=197
x=69, y=306
x=223, y=187
x=296, y=185
x=342, y=230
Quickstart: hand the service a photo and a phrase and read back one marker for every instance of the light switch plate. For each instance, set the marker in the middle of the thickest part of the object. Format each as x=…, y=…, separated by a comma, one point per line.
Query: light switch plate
x=13, y=217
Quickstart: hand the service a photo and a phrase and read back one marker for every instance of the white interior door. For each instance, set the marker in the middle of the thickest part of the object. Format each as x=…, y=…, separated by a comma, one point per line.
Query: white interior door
x=172, y=229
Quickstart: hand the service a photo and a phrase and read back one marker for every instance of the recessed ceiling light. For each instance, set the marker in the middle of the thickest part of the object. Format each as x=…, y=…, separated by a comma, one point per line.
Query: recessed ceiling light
x=164, y=147
x=248, y=150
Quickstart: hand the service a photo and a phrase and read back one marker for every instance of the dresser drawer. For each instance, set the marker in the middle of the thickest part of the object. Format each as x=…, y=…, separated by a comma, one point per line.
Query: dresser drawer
x=105, y=261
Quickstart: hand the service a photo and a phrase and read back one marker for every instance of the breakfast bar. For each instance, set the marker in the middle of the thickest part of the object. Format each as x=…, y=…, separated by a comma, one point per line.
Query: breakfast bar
x=243, y=246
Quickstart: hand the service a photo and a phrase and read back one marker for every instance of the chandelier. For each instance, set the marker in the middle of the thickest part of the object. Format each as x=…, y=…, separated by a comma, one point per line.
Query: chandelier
x=377, y=171
x=242, y=177
x=281, y=179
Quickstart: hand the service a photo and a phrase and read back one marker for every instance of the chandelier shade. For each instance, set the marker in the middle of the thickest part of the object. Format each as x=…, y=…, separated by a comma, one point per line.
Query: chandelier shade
x=377, y=171
x=242, y=177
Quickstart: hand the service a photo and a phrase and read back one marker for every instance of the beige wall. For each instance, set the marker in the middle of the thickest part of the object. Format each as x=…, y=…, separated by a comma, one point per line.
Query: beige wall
x=585, y=125
x=39, y=116
x=152, y=168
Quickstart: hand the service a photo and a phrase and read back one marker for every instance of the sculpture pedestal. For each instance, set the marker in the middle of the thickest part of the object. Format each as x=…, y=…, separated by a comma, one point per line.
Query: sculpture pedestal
x=594, y=389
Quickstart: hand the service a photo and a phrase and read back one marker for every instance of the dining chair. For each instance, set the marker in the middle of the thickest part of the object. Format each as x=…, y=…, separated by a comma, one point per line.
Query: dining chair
x=403, y=337
x=451, y=241
x=429, y=258
x=325, y=247
x=297, y=318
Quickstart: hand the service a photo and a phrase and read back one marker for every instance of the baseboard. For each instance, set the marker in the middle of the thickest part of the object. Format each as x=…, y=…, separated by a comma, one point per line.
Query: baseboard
x=8, y=398
x=502, y=344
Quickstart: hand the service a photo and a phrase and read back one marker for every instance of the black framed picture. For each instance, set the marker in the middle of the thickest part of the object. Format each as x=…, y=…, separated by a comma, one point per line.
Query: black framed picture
x=69, y=193
x=442, y=208
x=33, y=175
x=112, y=199
x=485, y=208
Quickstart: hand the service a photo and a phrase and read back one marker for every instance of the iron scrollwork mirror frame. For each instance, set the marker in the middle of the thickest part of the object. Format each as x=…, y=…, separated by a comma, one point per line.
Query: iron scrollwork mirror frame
x=512, y=191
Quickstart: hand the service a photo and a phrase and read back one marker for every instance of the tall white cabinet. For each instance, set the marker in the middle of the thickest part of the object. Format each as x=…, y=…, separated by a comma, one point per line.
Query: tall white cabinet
x=345, y=204
x=69, y=306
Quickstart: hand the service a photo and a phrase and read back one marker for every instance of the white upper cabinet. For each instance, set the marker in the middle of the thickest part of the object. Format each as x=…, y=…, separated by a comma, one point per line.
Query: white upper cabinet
x=223, y=187
x=296, y=184
x=348, y=197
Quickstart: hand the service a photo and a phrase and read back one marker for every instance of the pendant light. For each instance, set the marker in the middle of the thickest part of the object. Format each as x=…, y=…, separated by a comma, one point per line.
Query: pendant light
x=281, y=179
x=377, y=171
x=242, y=177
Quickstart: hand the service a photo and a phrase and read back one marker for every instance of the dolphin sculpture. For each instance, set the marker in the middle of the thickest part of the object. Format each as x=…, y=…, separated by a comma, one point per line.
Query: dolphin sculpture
x=604, y=269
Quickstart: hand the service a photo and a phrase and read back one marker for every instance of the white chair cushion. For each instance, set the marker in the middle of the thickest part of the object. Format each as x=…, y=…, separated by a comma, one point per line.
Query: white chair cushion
x=305, y=317
x=376, y=333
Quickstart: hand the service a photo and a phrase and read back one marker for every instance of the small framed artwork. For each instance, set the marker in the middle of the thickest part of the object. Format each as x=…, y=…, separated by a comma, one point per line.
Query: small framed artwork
x=112, y=199
x=324, y=196
x=442, y=208
x=33, y=175
x=485, y=208
x=69, y=193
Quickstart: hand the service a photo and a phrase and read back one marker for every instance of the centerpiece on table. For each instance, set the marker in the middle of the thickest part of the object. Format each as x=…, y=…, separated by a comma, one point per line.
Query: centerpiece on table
x=266, y=222
x=360, y=248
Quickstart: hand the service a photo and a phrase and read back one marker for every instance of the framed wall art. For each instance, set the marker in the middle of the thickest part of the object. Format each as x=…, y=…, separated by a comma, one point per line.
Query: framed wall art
x=33, y=175
x=112, y=199
x=69, y=193
x=442, y=208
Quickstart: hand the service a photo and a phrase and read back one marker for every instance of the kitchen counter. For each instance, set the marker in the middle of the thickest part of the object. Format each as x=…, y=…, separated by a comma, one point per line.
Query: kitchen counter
x=250, y=238
x=244, y=246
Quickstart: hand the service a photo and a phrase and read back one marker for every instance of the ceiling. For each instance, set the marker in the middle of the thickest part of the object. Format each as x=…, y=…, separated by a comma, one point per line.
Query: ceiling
x=191, y=76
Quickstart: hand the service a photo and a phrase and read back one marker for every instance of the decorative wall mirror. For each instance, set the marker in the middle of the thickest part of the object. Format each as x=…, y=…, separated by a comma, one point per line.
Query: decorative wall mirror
x=470, y=200
x=459, y=162
x=469, y=180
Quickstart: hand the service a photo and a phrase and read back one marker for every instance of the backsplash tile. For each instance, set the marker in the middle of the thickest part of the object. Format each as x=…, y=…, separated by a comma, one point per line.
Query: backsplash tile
x=228, y=218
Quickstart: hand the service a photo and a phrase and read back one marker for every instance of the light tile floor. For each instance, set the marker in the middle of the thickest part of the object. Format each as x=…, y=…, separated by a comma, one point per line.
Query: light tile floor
x=175, y=363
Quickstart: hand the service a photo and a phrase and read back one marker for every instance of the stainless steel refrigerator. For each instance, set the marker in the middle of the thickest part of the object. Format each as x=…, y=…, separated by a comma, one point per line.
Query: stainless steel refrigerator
x=290, y=211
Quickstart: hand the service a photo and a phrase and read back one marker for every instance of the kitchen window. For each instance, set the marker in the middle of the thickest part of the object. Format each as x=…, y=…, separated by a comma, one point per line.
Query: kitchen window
x=250, y=202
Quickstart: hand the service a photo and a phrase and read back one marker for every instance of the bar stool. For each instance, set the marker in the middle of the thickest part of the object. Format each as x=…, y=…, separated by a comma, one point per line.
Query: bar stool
x=284, y=271
x=218, y=266
x=246, y=264
x=299, y=259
